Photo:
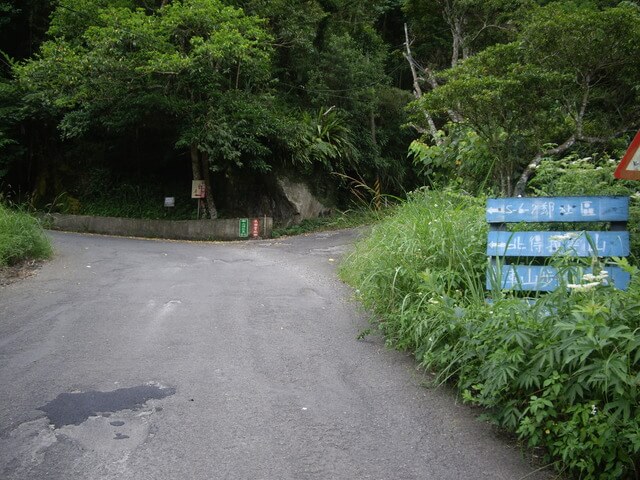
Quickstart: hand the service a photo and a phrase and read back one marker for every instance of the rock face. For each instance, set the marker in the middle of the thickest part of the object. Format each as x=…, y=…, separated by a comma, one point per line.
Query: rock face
x=305, y=204
x=288, y=201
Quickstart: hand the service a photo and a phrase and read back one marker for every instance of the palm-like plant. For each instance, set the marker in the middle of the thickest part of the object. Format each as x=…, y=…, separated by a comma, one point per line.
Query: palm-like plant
x=328, y=140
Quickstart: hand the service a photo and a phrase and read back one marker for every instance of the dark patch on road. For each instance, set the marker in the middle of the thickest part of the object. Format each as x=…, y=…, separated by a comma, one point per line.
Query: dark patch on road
x=19, y=271
x=117, y=423
x=75, y=408
x=120, y=436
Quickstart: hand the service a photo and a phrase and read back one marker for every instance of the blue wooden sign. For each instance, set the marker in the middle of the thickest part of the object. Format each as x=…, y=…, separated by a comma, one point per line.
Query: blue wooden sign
x=546, y=244
x=545, y=278
x=557, y=209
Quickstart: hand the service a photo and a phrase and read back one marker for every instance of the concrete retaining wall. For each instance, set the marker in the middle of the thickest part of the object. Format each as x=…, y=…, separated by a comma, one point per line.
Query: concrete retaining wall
x=224, y=229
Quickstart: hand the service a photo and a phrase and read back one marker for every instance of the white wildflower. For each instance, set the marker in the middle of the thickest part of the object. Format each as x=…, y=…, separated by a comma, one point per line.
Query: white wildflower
x=584, y=287
x=600, y=278
x=594, y=410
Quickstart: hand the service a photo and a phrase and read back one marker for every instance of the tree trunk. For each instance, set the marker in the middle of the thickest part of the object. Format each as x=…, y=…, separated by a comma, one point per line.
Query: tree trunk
x=195, y=162
x=417, y=91
x=200, y=169
x=372, y=123
x=458, y=39
x=531, y=168
x=211, y=206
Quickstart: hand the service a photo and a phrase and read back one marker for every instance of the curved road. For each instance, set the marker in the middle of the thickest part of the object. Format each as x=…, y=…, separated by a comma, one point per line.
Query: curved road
x=141, y=359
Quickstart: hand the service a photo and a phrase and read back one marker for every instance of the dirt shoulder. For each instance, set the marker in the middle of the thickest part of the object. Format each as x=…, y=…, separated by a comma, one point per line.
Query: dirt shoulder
x=19, y=271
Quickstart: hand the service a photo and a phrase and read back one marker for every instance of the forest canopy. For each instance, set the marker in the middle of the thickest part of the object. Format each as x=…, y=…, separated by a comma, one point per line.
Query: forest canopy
x=96, y=94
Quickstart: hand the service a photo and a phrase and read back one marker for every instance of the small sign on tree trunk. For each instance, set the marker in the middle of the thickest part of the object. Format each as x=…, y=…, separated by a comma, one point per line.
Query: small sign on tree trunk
x=198, y=189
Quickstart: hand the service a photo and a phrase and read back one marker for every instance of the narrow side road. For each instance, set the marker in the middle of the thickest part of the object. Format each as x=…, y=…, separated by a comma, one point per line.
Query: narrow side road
x=140, y=359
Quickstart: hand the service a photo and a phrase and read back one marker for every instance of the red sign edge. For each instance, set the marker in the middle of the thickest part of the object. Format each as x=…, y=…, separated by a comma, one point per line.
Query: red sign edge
x=621, y=172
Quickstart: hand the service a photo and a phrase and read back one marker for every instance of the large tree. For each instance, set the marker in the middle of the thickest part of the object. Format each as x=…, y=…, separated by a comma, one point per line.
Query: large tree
x=571, y=76
x=199, y=64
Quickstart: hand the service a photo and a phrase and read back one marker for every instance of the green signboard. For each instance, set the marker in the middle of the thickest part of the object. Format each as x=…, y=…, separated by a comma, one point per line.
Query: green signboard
x=243, y=227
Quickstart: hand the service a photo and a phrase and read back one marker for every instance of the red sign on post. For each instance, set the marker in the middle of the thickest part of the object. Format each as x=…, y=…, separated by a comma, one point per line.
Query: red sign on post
x=255, y=228
x=629, y=168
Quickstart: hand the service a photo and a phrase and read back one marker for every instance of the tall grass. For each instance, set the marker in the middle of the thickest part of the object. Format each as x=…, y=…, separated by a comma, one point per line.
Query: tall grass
x=21, y=237
x=430, y=252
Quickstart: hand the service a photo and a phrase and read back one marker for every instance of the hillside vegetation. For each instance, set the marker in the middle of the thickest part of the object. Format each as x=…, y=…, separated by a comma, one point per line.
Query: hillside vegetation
x=561, y=372
x=109, y=106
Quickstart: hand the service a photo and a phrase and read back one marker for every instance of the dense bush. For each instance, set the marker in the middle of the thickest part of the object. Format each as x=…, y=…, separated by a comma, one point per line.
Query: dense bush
x=561, y=372
x=21, y=237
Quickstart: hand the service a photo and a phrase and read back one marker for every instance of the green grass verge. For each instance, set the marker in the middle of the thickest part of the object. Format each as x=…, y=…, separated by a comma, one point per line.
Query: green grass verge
x=21, y=237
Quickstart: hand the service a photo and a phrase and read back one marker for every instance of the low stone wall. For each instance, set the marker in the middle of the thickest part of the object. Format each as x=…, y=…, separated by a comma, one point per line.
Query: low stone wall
x=223, y=229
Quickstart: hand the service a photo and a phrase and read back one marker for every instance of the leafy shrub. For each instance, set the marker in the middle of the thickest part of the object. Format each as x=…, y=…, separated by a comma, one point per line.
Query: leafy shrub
x=462, y=158
x=562, y=372
x=21, y=237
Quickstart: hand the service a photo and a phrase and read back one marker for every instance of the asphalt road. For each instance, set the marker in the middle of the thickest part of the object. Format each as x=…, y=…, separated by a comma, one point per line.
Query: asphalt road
x=140, y=359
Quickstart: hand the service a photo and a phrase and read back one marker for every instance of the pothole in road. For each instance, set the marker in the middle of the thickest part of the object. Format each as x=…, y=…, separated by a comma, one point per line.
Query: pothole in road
x=75, y=408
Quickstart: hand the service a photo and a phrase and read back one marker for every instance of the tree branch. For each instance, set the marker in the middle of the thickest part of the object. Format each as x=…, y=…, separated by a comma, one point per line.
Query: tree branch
x=528, y=172
x=417, y=91
x=531, y=168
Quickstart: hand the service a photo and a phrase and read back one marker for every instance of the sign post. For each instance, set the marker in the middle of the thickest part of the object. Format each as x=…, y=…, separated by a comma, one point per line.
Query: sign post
x=255, y=228
x=199, y=191
x=629, y=168
x=243, y=228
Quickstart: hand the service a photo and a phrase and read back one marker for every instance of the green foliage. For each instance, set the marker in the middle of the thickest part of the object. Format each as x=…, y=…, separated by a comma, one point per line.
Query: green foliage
x=21, y=237
x=10, y=116
x=508, y=105
x=239, y=81
x=462, y=158
x=104, y=194
x=562, y=372
x=478, y=24
x=573, y=175
x=547, y=88
x=201, y=62
x=133, y=201
x=327, y=140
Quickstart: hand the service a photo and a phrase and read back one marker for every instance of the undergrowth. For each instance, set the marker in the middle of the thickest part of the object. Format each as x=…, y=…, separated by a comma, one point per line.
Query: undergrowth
x=21, y=237
x=562, y=372
x=350, y=218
